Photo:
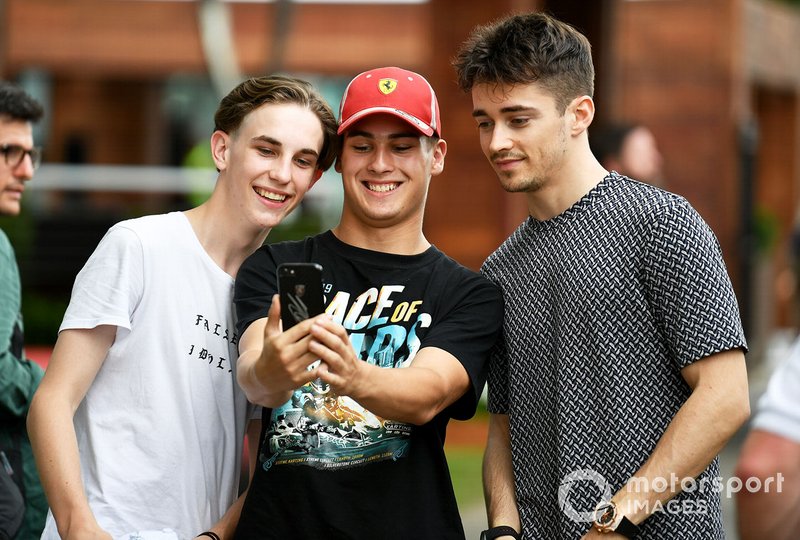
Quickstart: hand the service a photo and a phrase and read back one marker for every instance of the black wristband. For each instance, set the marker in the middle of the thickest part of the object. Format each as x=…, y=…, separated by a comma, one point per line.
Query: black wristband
x=501, y=530
x=627, y=528
x=210, y=534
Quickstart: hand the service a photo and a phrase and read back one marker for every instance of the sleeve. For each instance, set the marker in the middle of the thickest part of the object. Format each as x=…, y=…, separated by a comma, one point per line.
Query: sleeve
x=19, y=377
x=256, y=282
x=109, y=287
x=778, y=408
x=689, y=288
x=497, y=382
x=468, y=329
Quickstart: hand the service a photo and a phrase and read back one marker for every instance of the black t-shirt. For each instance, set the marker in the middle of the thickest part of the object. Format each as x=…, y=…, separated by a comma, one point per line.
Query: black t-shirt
x=327, y=467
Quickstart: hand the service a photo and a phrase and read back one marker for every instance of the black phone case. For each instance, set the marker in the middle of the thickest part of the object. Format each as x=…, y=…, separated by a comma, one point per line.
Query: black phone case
x=300, y=289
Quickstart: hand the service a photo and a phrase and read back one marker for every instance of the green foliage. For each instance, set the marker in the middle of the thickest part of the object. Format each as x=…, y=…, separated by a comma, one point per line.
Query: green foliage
x=465, y=464
x=42, y=316
x=766, y=229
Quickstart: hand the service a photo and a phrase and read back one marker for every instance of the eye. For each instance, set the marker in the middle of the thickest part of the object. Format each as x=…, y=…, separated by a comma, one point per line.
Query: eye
x=484, y=124
x=306, y=162
x=519, y=121
x=360, y=147
x=265, y=151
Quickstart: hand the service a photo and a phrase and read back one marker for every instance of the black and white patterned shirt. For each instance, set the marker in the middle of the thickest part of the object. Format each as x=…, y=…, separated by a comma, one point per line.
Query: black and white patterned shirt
x=605, y=304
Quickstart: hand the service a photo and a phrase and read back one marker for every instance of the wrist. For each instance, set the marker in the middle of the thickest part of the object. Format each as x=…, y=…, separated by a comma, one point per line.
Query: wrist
x=500, y=531
x=610, y=518
x=360, y=386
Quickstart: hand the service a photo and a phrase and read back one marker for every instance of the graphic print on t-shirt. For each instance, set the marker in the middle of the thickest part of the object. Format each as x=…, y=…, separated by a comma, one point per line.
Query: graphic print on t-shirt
x=319, y=428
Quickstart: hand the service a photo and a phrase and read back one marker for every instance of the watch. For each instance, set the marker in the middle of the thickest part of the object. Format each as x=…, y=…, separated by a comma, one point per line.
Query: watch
x=607, y=519
x=500, y=531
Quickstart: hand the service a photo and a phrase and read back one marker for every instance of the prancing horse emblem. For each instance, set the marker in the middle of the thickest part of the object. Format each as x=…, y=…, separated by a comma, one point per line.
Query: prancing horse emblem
x=387, y=86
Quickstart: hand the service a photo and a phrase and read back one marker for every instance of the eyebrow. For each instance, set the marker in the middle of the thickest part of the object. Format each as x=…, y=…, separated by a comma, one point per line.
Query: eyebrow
x=506, y=110
x=275, y=142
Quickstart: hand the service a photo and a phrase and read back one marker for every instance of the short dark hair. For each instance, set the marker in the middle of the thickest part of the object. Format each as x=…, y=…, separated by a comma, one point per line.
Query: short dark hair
x=528, y=48
x=16, y=104
x=279, y=89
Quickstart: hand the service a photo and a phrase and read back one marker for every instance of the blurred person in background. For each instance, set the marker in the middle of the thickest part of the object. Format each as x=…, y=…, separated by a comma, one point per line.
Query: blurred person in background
x=629, y=149
x=621, y=364
x=19, y=376
x=771, y=454
x=138, y=424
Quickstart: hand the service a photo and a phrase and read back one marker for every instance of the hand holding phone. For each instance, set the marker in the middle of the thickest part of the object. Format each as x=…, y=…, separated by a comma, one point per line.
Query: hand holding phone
x=301, y=297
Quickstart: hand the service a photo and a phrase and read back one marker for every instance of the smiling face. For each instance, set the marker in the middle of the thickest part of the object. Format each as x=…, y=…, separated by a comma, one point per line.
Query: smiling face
x=522, y=134
x=386, y=167
x=13, y=177
x=268, y=164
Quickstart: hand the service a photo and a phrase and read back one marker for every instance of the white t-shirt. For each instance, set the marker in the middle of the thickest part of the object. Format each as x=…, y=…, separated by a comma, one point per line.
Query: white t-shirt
x=779, y=406
x=160, y=430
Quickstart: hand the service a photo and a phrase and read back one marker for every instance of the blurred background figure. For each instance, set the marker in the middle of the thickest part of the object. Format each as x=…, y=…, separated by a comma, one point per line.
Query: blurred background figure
x=629, y=149
x=19, y=376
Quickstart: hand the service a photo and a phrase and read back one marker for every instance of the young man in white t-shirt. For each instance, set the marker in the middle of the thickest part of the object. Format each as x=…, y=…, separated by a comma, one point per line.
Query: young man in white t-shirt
x=138, y=423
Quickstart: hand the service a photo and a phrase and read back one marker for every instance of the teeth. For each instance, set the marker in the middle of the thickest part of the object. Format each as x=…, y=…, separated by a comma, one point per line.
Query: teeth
x=381, y=188
x=270, y=195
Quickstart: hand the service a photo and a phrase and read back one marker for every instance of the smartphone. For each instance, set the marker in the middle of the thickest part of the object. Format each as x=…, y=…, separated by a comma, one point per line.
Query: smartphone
x=300, y=290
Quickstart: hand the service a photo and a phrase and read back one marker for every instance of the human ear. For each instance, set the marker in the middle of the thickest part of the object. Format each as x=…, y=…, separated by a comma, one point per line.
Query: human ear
x=439, y=152
x=219, y=149
x=582, y=109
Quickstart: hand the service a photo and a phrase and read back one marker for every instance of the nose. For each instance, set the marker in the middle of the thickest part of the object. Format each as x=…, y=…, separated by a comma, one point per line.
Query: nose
x=381, y=161
x=282, y=171
x=24, y=169
x=498, y=140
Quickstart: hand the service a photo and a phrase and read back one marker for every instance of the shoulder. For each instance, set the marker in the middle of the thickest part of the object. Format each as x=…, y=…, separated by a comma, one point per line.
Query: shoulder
x=291, y=249
x=653, y=203
x=159, y=227
x=5, y=245
x=464, y=281
x=279, y=252
x=508, y=252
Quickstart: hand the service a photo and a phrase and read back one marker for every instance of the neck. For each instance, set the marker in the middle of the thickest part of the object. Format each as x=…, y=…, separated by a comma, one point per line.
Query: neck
x=565, y=187
x=227, y=240
x=403, y=239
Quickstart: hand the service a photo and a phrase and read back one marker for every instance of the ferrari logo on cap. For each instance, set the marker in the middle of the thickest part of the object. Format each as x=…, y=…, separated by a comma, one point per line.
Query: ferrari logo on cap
x=387, y=86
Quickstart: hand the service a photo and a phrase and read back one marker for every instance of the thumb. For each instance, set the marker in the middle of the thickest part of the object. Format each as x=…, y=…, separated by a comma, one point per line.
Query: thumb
x=273, y=326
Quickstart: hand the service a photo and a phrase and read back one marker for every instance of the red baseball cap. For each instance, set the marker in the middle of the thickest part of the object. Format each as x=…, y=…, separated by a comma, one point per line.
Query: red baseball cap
x=395, y=91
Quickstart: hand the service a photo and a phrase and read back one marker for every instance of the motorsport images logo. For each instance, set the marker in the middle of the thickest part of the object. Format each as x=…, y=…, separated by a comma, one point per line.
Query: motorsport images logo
x=569, y=482
x=580, y=479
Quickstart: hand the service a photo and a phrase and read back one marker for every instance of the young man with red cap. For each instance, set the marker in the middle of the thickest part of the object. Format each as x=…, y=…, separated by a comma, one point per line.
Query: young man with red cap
x=361, y=454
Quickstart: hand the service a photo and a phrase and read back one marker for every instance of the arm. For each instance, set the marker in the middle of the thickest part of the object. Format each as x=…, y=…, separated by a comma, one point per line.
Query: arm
x=77, y=357
x=226, y=526
x=498, y=475
x=416, y=394
x=273, y=363
x=19, y=377
x=718, y=406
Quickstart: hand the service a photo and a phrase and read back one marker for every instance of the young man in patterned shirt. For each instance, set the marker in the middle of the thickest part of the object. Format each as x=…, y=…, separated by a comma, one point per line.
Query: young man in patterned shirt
x=621, y=373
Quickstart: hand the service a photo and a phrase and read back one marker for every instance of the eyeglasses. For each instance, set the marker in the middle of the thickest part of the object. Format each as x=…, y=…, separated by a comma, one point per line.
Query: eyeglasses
x=14, y=154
